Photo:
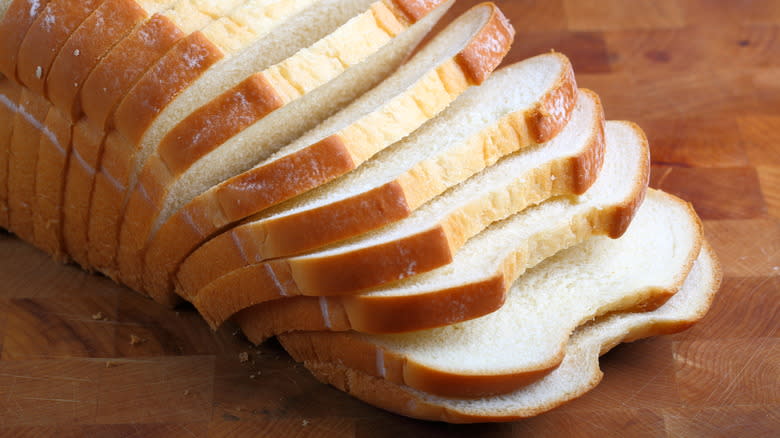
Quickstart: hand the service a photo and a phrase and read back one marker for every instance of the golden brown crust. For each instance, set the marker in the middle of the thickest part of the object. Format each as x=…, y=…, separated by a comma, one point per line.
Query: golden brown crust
x=178, y=68
x=414, y=10
x=22, y=160
x=214, y=123
x=46, y=36
x=50, y=184
x=17, y=20
x=10, y=91
x=86, y=150
x=487, y=49
x=373, y=265
x=113, y=77
x=626, y=212
x=110, y=22
x=553, y=112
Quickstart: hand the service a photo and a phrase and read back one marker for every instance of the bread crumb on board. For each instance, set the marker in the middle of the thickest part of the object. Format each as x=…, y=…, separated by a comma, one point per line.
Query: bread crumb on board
x=243, y=357
x=136, y=340
x=98, y=316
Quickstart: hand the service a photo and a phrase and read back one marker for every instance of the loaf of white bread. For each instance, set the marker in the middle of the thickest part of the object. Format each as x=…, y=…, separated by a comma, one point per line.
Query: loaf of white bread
x=433, y=238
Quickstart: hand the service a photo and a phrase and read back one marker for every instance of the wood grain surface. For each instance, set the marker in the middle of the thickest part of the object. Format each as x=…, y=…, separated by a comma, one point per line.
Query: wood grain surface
x=81, y=356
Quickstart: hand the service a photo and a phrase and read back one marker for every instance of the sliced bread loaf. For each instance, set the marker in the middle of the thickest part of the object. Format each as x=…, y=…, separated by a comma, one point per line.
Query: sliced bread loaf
x=53, y=155
x=577, y=374
x=164, y=187
x=9, y=96
x=28, y=121
x=17, y=17
x=525, y=339
x=417, y=92
x=429, y=237
x=476, y=281
x=45, y=37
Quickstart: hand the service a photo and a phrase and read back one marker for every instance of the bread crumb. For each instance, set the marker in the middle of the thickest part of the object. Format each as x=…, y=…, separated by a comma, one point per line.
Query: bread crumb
x=252, y=376
x=76, y=52
x=305, y=423
x=38, y=72
x=110, y=364
x=98, y=316
x=243, y=357
x=186, y=392
x=136, y=340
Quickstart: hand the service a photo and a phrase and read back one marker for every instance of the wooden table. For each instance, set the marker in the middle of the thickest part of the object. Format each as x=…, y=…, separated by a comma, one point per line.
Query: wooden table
x=702, y=77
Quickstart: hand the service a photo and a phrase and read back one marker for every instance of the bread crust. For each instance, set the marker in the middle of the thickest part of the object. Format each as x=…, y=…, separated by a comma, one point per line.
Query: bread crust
x=85, y=154
x=280, y=237
x=109, y=23
x=17, y=20
x=9, y=93
x=53, y=156
x=22, y=161
x=46, y=36
x=401, y=399
x=114, y=76
x=329, y=158
x=352, y=271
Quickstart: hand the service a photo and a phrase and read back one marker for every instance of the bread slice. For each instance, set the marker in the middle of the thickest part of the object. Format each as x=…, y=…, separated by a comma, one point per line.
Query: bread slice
x=429, y=237
x=53, y=155
x=476, y=281
x=578, y=373
x=30, y=113
x=17, y=18
x=46, y=36
x=514, y=109
x=525, y=339
x=171, y=179
x=9, y=96
x=419, y=91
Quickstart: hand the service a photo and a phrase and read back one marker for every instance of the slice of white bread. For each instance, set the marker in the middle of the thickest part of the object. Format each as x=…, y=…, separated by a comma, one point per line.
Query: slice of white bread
x=577, y=374
x=28, y=121
x=17, y=18
x=46, y=36
x=171, y=180
x=428, y=238
x=526, y=338
x=9, y=96
x=475, y=283
x=53, y=155
x=417, y=92
x=298, y=114
x=514, y=109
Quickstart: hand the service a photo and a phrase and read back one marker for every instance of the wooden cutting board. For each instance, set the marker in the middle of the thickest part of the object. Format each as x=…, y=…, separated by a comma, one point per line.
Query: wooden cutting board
x=81, y=356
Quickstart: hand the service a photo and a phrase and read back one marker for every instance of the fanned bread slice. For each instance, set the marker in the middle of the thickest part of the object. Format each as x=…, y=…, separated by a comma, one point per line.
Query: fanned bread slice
x=428, y=238
x=30, y=113
x=96, y=36
x=53, y=155
x=475, y=283
x=244, y=24
x=526, y=338
x=9, y=96
x=46, y=36
x=173, y=177
x=578, y=373
x=419, y=91
x=18, y=16
x=515, y=108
